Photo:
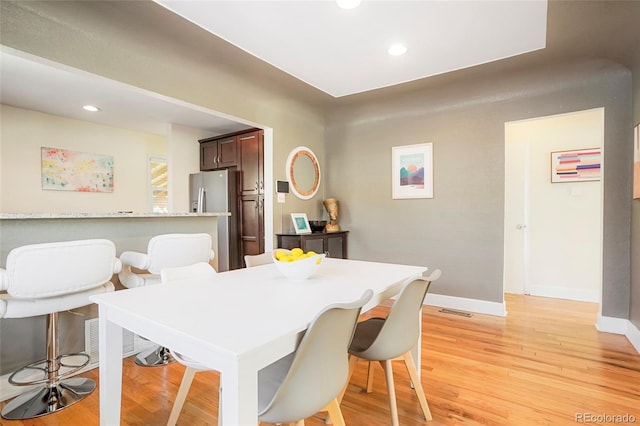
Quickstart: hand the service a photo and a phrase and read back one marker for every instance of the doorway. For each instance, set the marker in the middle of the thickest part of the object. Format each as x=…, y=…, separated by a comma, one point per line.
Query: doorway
x=553, y=231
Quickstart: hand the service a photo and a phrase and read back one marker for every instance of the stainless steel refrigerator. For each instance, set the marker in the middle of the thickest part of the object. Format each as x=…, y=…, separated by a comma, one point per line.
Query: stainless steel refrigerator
x=216, y=191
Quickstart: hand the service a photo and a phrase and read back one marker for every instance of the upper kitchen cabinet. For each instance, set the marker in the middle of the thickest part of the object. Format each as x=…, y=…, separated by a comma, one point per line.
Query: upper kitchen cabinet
x=252, y=162
x=219, y=153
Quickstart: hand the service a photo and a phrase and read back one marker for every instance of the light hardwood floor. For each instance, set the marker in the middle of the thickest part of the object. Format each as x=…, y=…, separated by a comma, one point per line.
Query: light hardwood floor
x=542, y=365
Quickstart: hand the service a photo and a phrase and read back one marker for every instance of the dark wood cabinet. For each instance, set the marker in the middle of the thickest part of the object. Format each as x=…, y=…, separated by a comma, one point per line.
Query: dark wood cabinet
x=251, y=147
x=332, y=243
x=219, y=153
x=245, y=151
x=252, y=224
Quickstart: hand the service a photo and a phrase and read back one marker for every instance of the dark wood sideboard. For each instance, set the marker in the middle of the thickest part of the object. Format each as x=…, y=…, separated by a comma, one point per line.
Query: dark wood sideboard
x=332, y=243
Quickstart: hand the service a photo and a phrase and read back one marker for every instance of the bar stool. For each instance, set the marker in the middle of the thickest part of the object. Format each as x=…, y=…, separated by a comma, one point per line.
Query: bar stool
x=44, y=279
x=163, y=251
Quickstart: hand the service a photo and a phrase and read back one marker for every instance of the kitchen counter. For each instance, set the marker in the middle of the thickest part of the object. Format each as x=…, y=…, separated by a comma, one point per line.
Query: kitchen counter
x=105, y=215
x=129, y=231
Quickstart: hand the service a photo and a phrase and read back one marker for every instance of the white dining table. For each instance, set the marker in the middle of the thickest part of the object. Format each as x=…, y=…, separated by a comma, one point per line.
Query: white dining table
x=236, y=323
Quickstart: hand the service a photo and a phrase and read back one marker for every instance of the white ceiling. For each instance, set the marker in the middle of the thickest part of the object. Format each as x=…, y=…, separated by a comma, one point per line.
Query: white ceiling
x=574, y=30
x=344, y=52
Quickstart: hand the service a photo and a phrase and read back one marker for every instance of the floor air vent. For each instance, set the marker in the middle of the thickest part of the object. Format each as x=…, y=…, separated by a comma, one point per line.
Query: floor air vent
x=91, y=341
x=454, y=312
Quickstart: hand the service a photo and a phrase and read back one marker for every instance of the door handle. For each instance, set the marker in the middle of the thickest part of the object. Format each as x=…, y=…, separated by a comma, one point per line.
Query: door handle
x=520, y=226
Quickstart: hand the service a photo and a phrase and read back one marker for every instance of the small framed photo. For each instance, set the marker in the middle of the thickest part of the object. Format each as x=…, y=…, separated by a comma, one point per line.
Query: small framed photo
x=300, y=223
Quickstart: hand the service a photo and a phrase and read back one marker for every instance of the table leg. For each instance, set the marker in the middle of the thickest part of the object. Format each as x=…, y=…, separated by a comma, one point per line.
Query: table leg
x=239, y=387
x=110, y=352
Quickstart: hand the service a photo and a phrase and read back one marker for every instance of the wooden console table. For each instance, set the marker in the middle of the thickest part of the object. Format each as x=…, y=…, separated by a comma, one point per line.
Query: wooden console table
x=332, y=243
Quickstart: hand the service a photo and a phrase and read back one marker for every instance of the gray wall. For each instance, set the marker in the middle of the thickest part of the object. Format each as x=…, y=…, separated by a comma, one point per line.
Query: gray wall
x=460, y=230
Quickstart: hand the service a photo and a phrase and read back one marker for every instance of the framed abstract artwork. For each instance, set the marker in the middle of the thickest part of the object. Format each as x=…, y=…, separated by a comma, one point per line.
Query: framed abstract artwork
x=412, y=171
x=636, y=162
x=576, y=166
x=65, y=170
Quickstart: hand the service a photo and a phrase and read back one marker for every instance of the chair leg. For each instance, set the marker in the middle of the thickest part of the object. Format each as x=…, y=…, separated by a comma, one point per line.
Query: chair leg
x=417, y=386
x=353, y=360
x=189, y=373
x=335, y=414
x=391, y=390
x=370, y=378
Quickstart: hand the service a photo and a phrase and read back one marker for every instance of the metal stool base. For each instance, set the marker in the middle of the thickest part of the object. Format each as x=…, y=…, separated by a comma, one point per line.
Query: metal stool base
x=44, y=400
x=156, y=356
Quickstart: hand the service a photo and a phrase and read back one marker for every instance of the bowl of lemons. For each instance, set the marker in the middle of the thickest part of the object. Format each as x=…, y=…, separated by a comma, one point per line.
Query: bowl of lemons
x=297, y=265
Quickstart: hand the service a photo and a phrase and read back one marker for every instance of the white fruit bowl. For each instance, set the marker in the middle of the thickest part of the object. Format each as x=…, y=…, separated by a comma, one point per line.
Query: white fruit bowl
x=299, y=270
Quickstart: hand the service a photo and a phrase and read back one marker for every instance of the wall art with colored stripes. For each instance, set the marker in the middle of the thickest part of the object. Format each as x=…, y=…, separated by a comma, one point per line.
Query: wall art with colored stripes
x=576, y=166
x=636, y=162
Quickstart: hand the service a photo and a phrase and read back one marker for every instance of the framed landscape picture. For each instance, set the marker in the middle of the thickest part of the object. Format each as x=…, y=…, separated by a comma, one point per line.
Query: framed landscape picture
x=412, y=171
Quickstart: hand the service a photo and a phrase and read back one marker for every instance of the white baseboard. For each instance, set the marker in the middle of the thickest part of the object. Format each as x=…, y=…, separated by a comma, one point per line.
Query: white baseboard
x=620, y=326
x=612, y=325
x=565, y=293
x=633, y=334
x=469, y=305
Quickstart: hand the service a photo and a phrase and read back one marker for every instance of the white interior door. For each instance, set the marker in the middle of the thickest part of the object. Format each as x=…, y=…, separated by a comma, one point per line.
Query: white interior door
x=516, y=246
x=553, y=231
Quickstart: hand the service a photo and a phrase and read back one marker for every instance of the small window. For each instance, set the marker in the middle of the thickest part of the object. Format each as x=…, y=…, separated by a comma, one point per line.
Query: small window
x=158, y=179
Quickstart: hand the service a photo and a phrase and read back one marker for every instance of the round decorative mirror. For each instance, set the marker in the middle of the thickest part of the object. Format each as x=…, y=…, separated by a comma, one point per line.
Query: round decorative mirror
x=303, y=172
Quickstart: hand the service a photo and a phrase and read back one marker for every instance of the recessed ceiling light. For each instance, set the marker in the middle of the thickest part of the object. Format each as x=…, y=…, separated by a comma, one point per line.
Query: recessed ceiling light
x=348, y=4
x=397, y=49
x=91, y=108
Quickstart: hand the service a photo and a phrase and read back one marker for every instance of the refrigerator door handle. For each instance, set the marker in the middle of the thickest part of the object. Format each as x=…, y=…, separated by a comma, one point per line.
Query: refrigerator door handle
x=201, y=199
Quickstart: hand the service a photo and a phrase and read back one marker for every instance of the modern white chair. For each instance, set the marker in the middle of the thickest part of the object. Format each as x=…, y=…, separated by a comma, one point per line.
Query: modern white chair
x=163, y=251
x=258, y=259
x=44, y=279
x=196, y=272
x=310, y=379
x=384, y=339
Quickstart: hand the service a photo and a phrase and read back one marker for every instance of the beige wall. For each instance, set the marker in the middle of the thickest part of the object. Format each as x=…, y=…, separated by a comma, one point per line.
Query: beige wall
x=24, y=132
x=165, y=61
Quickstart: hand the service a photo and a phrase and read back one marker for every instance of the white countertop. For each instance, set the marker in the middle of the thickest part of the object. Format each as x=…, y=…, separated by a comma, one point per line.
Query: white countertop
x=105, y=215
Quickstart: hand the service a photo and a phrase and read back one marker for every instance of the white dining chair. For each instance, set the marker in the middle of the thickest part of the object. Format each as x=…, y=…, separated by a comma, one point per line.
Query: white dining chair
x=44, y=279
x=196, y=273
x=258, y=259
x=385, y=339
x=143, y=269
x=310, y=379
